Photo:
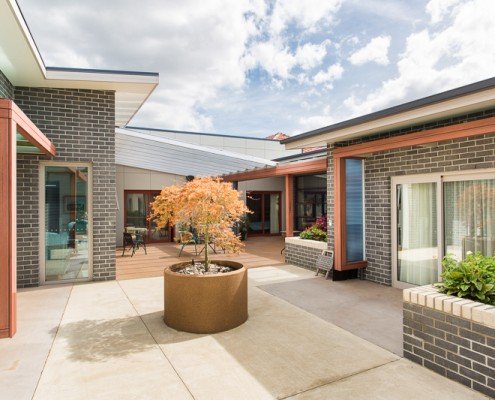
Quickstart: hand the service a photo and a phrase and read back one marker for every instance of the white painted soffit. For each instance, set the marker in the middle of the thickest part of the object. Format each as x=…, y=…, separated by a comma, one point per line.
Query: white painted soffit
x=444, y=109
x=140, y=150
x=21, y=62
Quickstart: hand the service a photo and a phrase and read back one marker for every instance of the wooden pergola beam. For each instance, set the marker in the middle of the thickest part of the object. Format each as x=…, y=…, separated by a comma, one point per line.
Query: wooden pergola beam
x=12, y=120
x=318, y=165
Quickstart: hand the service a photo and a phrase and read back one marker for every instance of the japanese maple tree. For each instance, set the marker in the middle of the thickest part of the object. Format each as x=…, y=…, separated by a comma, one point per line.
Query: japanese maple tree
x=208, y=205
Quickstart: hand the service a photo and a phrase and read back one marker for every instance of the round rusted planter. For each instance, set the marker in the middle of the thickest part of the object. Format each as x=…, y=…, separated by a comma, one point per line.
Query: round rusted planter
x=205, y=303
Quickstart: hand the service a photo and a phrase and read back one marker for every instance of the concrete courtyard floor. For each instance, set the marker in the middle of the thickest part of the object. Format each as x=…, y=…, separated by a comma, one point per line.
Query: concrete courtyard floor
x=108, y=341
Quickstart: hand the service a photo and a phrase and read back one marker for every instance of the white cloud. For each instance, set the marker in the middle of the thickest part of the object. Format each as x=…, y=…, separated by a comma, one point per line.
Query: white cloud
x=275, y=58
x=305, y=14
x=438, y=9
x=375, y=51
x=439, y=59
x=196, y=47
x=311, y=55
x=333, y=73
x=316, y=121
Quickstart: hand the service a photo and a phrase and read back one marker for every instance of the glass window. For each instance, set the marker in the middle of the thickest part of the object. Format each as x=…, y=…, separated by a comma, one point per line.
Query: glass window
x=469, y=217
x=310, y=199
x=417, y=248
x=354, y=210
x=66, y=223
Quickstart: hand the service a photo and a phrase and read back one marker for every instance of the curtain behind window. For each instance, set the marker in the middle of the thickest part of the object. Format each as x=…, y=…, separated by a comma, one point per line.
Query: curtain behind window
x=469, y=217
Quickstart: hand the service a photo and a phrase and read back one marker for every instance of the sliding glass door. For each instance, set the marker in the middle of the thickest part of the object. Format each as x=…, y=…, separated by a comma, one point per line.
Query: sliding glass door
x=434, y=215
x=417, y=233
x=137, y=210
x=265, y=217
x=65, y=223
x=469, y=217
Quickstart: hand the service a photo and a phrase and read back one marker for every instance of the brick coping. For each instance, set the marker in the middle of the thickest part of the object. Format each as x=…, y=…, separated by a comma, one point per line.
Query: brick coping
x=429, y=296
x=314, y=244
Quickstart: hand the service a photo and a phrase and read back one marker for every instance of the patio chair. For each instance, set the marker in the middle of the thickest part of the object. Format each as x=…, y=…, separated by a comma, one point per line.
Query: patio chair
x=133, y=243
x=187, y=238
x=324, y=262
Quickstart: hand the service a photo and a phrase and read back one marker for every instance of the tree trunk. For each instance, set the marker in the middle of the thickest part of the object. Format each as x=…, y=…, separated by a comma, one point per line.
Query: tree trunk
x=207, y=262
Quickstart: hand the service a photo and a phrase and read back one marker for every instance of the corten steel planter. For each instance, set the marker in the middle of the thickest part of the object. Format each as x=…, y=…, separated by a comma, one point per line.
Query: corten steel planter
x=205, y=303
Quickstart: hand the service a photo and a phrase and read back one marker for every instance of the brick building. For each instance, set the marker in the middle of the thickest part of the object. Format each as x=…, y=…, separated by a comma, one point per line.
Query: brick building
x=58, y=178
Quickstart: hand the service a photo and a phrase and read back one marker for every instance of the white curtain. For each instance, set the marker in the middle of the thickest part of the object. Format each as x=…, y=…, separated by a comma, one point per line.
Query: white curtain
x=417, y=259
x=470, y=217
x=274, y=213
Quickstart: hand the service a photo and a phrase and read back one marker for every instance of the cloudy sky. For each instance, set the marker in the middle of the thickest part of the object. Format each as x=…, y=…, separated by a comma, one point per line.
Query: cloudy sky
x=256, y=67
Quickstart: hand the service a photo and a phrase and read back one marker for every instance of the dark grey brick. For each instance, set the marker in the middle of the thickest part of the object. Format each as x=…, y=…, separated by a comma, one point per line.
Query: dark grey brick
x=472, y=355
x=81, y=125
x=459, y=378
x=446, y=345
x=413, y=357
x=6, y=87
x=486, y=350
x=444, y=326
x=435, y=367
x=446, y=363
x=475, y=376
x=468, y=334
x=458, y=340
x=489, y=391
x=466, y=362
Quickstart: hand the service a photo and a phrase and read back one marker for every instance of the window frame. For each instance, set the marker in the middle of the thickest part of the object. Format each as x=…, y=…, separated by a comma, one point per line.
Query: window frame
x=439, y=178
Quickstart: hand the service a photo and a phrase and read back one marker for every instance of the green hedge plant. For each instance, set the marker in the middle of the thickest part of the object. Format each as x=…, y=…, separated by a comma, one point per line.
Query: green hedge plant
x=314, y=233
x=472, y=278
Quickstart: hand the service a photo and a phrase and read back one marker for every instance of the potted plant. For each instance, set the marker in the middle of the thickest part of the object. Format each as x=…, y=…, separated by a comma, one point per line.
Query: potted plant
x=204, y=296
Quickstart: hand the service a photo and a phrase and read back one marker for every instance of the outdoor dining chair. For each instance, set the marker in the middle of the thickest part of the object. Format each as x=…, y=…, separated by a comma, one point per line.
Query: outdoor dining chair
x=133, y=243
x=187, y=238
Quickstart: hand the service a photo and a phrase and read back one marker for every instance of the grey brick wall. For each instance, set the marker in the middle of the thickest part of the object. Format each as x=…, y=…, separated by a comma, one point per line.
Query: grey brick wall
x=6, y=88
x=302, y=256
x=454, y=347
x=452, y=155
x=81, y=125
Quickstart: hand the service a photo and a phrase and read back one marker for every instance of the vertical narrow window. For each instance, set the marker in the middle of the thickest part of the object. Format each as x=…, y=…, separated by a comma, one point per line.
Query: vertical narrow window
x=354, y=214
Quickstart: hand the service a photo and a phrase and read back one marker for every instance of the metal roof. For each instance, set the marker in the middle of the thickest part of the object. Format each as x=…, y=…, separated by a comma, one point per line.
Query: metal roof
x=140, y=150
x=399, y=109
x=144, y=129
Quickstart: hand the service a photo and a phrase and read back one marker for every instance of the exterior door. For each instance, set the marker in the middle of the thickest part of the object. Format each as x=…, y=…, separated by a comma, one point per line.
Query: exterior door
x=65, y=222
x=416, y=255
x=266, y=212
x=137, y=211
x=438, y=214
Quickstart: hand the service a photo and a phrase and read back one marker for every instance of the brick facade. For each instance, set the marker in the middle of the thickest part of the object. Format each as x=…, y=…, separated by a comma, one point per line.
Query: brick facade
x=81, y=125
x=6, y=88
x=460, y=347
x=453, y=155
x=303, y=253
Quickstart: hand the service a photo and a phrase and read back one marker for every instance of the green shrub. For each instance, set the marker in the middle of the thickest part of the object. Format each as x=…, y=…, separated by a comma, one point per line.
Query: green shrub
x=472, y=278
x=314, y=233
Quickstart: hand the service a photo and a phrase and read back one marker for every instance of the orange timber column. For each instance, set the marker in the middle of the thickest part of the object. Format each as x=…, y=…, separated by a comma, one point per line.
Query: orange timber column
x=8, y=287
x=289, y=205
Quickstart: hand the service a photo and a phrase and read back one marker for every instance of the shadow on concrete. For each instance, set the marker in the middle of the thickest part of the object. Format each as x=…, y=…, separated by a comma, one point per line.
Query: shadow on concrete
x=98, y=340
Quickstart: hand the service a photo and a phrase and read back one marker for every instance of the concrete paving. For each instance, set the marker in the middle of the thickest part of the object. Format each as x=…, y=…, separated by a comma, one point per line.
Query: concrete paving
x=112, y=344
x=369, y=310
x=23, y=357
